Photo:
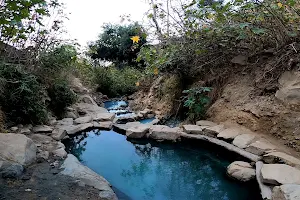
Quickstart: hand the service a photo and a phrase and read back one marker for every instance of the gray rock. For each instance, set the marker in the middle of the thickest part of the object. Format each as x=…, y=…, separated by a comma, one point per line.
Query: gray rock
x=24, y=131
x=65, y=121
x=213, y=131
x=83, y=120
x=138, y=131
x=265, y=190
x=192, y=129
x=73, y=129
x=43, y=155
x=242, y=141
x=104, y=117
x=11, y=170
x=17, y=148
x=124, y=127
x=278, y=174
x=87, y=99
x=60, y=153
x=58, y=133
x=103, y=125
x=280, y=157
x=161, y=132
x=71, y=115
x=14, y=129
x=230, y=133
x=241, y=171
x=205, y=123
x=42, y=129
x=289, y=88
x=90, y=109
x=72, y=167
x=260, y=147
x=286, y=192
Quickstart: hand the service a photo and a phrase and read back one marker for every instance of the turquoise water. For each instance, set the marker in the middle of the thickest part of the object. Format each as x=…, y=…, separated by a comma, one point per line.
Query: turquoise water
x=145, y=121
x=152, y=171
x=115, y=104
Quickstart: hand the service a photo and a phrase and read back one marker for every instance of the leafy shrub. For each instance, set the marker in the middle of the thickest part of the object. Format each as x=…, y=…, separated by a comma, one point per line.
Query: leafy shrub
x=61, y=97
x=22, y=96
x=196, y=100
x=115, y=82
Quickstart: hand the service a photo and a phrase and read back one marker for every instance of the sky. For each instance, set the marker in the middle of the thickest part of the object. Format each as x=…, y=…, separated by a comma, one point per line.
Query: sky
x=87, y=16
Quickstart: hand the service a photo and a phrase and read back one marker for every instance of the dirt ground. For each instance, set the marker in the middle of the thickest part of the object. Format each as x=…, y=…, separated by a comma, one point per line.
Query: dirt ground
x=42, y=182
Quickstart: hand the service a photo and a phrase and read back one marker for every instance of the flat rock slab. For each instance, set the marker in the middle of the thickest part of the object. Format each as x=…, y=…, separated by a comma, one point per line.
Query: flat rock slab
x=83, y=120
x=104, y=117
x=229, y=133
x=278, y=174
x=205, y=123
x=213, y=130
x=17, y=148
x=137, y=131
x=192, y=129
x=103, y=125
x=65, y=121
x=73, y=129
x=280, y=157
x=241, y=171
x=162, y=132
x=242, y=141
x=124, y=127
x=265, y=190
x=42, y=129
x=286, y=192
x=58, y=134
x=224, y=144
x=90, y=109
x=260, y=147
x=72, y=167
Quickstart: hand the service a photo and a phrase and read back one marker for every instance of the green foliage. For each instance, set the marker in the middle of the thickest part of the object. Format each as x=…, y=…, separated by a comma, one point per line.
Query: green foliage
x=116, y=82
x=22, y=95
x=196, y=100
x=18, y=18
x=115, y=45
x=61, y=96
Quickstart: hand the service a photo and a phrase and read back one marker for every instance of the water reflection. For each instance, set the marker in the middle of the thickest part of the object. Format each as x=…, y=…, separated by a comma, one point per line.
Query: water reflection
x=158, y=172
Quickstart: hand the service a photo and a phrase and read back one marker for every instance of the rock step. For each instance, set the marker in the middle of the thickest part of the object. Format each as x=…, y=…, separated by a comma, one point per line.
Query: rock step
x=241, y=171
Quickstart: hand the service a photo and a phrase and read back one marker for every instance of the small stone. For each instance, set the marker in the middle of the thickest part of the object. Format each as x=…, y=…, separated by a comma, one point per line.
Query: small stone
x=27, y=190
x=43, y=155
x=60, y=153
x=58, y=133
x=11, y=170
x=14, y=129
x=24, y=131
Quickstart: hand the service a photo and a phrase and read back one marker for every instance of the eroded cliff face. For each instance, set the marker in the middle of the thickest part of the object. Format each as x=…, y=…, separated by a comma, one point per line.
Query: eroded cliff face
x=162, y=97
x=274, y=114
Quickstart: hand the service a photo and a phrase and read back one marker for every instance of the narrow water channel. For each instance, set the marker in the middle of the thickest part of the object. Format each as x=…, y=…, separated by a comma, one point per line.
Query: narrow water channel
x=142, y=170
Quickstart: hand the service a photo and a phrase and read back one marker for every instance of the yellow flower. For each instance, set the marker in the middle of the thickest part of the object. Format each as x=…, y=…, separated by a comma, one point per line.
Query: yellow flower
x=135, y=39
x=155, y=70
x=137, y=83
x=279, y=5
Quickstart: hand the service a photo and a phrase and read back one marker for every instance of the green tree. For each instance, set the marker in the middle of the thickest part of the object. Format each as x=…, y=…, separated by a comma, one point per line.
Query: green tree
x=115, y=44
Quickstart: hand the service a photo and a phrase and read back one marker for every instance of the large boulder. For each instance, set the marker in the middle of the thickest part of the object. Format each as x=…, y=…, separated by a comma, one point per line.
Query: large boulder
x=162, y=132
x=137, y=131
x=260, y=147
x=17, y=148
x=103, y=125
x=278, y=174
x=280, y=157
x=192, y=129
x=72, y=167
x=241, y=171
x=242, y=141
x=289, y=88
x=286, y=192
x=10, y=169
